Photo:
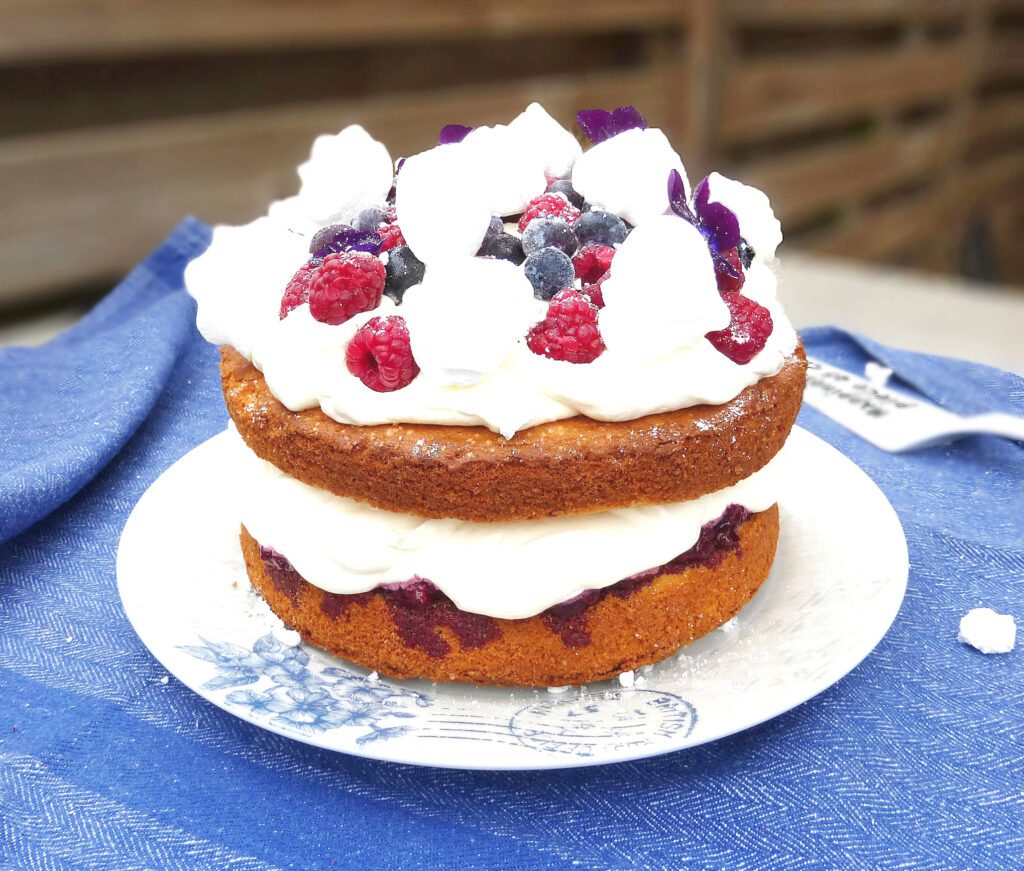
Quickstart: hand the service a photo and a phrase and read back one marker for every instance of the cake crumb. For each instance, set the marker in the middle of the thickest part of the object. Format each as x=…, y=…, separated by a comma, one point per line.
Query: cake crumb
x=165, y=680
x=557, y=690
x=627, y=679
x=987, y=631
x=373, y=676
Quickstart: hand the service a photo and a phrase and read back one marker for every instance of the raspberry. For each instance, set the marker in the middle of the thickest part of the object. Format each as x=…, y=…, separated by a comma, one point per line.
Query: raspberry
x=344, y=285
x=569, y=332
x=296, y=291
x=549, y=206
x=592, y=263
x=748, y=331
x=380, y=356
x=594, y=293
x=726, y=283
x=391, y=237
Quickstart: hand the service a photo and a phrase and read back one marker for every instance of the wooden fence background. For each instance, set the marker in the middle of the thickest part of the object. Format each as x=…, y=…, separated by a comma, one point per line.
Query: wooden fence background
x=886, y=130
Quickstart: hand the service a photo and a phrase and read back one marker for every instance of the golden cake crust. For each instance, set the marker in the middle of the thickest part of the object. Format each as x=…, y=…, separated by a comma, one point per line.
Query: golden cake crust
x=569, y=466
x=646, y=626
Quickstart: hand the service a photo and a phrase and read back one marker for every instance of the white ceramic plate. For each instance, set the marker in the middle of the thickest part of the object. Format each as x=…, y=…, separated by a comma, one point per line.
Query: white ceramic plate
x=828, y=602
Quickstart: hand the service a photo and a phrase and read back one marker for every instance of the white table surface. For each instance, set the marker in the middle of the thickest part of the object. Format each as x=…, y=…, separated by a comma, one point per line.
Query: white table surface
x=915, y=310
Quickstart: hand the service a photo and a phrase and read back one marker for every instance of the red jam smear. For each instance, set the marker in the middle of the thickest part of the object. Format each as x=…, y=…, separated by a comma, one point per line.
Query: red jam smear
x=419, y=609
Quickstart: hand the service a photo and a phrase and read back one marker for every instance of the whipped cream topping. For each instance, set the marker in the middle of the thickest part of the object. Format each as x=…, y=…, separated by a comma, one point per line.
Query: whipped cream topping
x=684, y=296
x=510, y=570
x=468, y=319
x=628, y=174
x=760, y=227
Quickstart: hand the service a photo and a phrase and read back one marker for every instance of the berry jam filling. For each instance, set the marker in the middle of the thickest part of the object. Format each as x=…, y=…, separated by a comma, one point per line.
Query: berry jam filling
x=419, y=609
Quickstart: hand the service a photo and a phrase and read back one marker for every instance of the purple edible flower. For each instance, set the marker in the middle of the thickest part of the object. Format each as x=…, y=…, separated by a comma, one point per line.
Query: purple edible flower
x=341, y=237
x=716, y=223
x=453, y=133
x=599, y=124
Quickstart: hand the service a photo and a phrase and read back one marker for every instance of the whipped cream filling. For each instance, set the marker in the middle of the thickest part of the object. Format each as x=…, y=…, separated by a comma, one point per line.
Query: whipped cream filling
x=510, y=570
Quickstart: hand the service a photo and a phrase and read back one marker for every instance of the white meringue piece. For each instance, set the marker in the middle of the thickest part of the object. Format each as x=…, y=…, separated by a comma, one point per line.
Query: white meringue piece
x=758, y=224
x=346, y=173
x=988, y=631
x=466, y=317
x=760, y=282
x=511, y=172
x=661, y=295
x=442, y=213
x=554, y=147
x=238, y=281
x=628, y=174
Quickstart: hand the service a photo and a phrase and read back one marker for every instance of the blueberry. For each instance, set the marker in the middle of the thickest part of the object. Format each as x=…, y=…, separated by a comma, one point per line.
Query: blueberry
x=746, y=253
x=601, y=227
x=504, y=246
x=402, y=271
x=549, y=233
x=495, y=228
x=328, y=240
x=549, y=271
x=370, y=219
x=564, y=187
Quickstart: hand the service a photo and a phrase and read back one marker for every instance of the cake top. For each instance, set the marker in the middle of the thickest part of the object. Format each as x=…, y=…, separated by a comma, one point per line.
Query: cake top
x=506, y=277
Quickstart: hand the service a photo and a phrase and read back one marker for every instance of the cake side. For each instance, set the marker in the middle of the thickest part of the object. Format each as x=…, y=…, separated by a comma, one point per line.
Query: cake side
x=564, y=467
x=613, y=635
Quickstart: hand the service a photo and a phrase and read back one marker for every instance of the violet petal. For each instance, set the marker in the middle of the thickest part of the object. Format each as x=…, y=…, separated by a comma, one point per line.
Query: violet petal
x=722, y=226
x=599, y=125
x=451, y=133
x=628, y=118
x=677, y=198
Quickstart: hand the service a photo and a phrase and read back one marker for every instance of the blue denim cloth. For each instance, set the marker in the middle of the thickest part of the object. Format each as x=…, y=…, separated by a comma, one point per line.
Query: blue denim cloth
x=915, y=759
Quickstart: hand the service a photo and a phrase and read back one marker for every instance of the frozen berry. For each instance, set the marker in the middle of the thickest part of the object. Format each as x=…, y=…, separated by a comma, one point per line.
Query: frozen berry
x=296, y=291
x=504, y=246
x=344, y=285
x=594, y=293
x=564, y=187
x=549, y=233
x=390, y=237
x=403, y=270
x=370, y=219
x=337, y=238
x=549, y=206
x=599, y=227
x=549, y=271
x=380, y=355
x=729, y=277
x=495, y=228
x=569, y=332
x=748, y=330
x=746, y=253
x=593, y=262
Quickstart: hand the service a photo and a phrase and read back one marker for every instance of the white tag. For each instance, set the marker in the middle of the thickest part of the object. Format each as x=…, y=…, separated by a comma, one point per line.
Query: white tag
x=891, y=420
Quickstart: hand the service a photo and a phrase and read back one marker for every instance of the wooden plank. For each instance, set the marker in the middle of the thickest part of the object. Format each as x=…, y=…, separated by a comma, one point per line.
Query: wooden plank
x=817, y=13
x=1005, y=56
x=997, y=119
x=987, y=180
x=772, y=96
x=33, y=29
x=812, y=179
x=109, y=195
x=886, y=231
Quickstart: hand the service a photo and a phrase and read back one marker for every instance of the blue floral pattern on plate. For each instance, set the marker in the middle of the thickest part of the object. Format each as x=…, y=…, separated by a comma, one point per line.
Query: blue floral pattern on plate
x=300, y=699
